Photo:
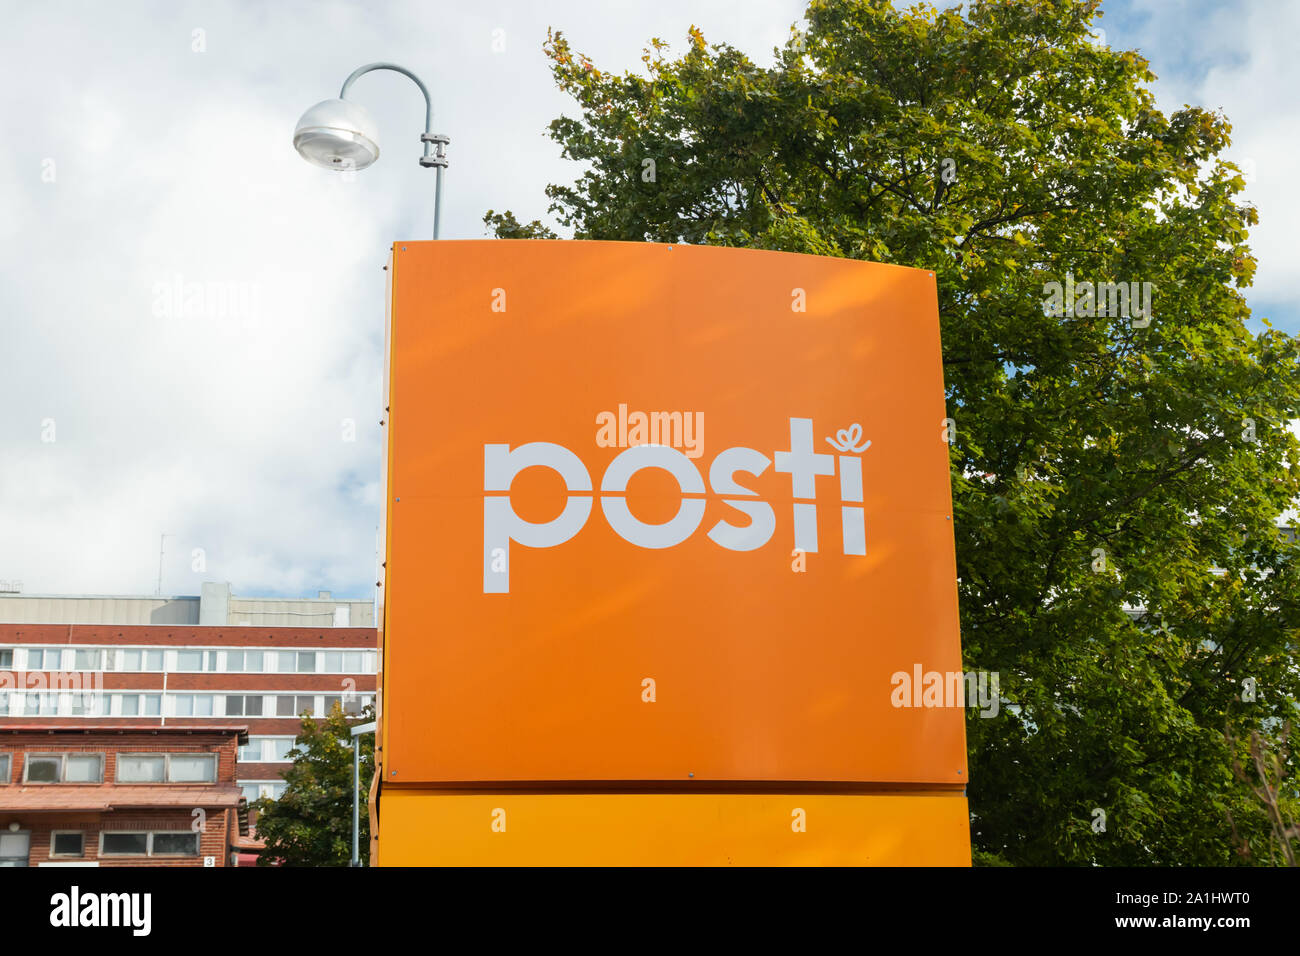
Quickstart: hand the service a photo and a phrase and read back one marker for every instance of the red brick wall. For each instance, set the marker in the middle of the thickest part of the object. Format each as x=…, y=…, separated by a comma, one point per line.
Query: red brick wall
x=214, y=839
x=111, y=744
x=215, y=836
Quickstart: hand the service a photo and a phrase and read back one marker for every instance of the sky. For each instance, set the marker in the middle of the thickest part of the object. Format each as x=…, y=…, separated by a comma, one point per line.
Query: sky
x=154, y=161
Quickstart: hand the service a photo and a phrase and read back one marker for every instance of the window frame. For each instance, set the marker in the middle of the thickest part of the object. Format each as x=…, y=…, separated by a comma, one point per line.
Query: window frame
x=278, y=741
x=68, y=856
x=44, y=650
x=167, y=780
x=144, y=653
x=109, y=853
x=63, y=768
x=180, y=669
x=193, y=696
x=148, y=847
x=26, y=859
x=252, y=742
x=7, y=777
x=247, y=704
x=81, y=650
x=198, y=844
x=270, y=786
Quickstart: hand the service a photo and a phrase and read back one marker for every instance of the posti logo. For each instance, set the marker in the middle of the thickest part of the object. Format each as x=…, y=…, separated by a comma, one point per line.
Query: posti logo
x=802, y=461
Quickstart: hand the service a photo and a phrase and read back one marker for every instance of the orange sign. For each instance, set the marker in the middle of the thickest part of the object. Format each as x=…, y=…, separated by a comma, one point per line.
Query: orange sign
x=673, y=829
x=666, y=513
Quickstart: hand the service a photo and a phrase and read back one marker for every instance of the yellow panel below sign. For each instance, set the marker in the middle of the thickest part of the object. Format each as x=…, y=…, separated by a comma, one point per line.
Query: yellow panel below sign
x=421, y=828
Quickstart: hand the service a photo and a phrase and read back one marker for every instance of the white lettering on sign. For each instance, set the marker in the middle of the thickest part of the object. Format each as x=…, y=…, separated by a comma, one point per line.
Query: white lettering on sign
x=502, y=464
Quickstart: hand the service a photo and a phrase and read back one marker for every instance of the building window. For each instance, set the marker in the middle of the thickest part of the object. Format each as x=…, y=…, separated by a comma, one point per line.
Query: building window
x=167, y=768
x=280, y=747
x=14, y=848
x=287, y=662
x=192, y=705
x=267, y=750
x=306, y=662
x=251, y=752
x=271, y=789
x=64, y=768
x=175, y=844
x=124, y=844
x=189, y=660
x=141, y=768
x=192, y=768
x=44, y=658
x=137, y=705
x=5, y=761
x=240, y=662
x=42, y=704
x=88, y=705
x=243, y=705
x=6, y=658
x=138, y=659
x=87, y=659
x=67, y=843
x=149, y=843
x=32, y=703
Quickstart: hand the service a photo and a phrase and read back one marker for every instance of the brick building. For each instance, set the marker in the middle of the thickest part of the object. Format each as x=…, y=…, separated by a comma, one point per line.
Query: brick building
x=119, y=795
x=89, y=676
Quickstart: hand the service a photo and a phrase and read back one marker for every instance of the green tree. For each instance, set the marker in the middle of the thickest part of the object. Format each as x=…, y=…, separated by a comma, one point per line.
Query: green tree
x=505, y=226
x=1101, y=464
x=311, y=823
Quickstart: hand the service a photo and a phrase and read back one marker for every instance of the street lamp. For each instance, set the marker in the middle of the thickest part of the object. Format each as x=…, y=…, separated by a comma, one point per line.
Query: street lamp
x=341, y=135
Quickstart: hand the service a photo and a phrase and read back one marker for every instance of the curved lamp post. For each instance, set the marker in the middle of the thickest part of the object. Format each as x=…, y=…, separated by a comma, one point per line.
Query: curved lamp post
x=341, y=134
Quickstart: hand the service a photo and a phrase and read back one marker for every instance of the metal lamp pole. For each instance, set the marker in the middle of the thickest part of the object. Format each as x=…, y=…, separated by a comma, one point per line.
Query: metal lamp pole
x=357, y=731
x=340, y=134
x=435, y=144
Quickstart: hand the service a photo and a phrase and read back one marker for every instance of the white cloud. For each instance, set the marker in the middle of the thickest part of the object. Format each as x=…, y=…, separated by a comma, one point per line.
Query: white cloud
x=225, y=432
x=1240, y=58
x=170, y=165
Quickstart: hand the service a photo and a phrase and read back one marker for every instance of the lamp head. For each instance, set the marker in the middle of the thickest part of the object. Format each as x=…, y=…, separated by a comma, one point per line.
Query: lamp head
x=337, y=134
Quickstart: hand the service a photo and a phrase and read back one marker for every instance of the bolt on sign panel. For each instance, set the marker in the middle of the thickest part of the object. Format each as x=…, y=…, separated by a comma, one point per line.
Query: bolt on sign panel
x=666, y=513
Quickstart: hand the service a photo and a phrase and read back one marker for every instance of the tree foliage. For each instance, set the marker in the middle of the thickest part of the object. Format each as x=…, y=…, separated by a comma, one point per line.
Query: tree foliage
x=504, y=225
x=311, y=823
x=1098, y=467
